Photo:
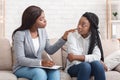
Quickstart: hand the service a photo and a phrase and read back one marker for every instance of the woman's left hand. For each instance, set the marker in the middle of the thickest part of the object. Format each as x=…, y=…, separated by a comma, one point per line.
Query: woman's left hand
x=66, y=34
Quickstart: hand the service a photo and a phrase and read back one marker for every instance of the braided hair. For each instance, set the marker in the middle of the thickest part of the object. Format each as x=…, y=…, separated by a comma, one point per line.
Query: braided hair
x=95, y=38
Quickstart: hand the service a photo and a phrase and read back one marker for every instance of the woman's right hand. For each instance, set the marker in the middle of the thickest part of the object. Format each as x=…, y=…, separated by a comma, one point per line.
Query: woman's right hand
x=47, y=63
x=66, y=34
x=104, y=65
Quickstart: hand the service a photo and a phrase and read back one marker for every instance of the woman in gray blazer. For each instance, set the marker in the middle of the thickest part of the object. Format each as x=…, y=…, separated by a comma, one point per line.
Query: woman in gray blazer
x=29, y=42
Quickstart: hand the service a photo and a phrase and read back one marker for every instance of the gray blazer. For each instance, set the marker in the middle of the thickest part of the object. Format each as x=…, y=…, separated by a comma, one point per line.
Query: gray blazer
x=24, y=50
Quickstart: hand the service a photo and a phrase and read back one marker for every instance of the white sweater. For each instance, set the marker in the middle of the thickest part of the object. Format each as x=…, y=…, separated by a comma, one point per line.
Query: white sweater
x=79, y=46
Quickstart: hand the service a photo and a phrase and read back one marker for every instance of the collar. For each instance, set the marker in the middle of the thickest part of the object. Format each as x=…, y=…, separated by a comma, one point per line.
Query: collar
x=80, y=36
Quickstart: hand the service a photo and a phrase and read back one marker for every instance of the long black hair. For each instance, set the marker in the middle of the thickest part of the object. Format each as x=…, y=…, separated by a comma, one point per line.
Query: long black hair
x=95, y=38
x=29, y=17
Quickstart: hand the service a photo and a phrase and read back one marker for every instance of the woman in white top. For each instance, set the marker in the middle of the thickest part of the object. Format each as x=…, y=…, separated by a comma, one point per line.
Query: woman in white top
x=85, y=51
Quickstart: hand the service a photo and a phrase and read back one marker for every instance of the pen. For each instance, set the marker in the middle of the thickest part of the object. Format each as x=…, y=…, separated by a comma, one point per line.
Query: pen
x=49, y=57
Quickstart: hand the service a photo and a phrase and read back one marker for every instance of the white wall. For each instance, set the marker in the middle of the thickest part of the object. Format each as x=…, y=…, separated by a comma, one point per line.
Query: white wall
x=61, y=15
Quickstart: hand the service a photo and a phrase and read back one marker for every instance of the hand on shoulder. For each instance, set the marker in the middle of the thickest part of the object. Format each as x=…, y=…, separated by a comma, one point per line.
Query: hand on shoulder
x=66, y=33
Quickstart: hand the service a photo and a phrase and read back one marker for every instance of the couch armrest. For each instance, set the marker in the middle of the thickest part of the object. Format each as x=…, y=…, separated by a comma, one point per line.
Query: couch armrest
x=64, y=56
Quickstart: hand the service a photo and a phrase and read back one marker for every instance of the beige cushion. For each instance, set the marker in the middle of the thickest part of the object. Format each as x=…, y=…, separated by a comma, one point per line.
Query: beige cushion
x=112, y=75
x=57, y=58
x=64, y=76
x=117, y=68
x=109, y=46
x=113, y=60
x=7, y=75
x=5, y=55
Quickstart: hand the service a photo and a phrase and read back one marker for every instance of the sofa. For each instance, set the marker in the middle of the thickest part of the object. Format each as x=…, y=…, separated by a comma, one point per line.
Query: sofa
x=7, y=60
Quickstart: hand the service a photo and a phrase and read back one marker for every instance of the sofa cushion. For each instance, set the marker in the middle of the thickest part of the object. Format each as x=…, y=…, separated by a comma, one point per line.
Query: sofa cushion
x=64, y=76
x=113, y=60
x=5, y=55
x=112, y=75
x=7, y=75
x=109, y=46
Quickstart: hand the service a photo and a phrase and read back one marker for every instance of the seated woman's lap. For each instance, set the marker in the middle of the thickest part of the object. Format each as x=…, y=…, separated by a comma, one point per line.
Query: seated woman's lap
x=37, y=73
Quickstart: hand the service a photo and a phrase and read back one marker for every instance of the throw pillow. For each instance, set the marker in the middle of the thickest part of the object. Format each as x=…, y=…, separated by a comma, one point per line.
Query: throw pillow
x=113, y=60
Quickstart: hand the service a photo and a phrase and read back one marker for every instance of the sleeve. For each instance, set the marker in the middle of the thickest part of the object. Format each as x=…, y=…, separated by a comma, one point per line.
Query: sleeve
x=18, y=46
x=50, y=49
x=96, y=55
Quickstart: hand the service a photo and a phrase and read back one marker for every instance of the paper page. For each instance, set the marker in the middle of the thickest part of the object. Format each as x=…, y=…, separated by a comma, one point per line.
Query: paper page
x=53, y=67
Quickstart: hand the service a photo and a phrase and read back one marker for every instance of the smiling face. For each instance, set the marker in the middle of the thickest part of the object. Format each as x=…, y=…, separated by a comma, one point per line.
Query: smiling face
x=41, y=21
x=84, y=27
